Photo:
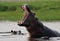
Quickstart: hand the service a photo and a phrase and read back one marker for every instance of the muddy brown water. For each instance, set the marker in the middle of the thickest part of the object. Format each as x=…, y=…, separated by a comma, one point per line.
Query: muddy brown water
x=7, y=26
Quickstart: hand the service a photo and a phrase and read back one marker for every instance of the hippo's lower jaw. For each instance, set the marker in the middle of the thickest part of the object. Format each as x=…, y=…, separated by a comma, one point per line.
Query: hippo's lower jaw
x=23, y=25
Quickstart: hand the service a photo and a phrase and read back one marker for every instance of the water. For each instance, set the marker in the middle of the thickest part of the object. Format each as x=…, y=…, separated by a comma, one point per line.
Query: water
x=8, y=26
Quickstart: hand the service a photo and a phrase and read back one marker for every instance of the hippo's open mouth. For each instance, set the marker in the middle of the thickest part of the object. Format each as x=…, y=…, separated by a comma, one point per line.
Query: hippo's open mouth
x=25, y=21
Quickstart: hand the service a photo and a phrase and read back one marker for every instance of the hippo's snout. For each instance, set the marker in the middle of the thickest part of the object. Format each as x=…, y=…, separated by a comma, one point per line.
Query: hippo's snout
x=23, y=24
x=20, y=23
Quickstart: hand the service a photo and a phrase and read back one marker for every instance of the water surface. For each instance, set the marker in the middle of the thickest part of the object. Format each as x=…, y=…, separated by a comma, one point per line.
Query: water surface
x=6, y=26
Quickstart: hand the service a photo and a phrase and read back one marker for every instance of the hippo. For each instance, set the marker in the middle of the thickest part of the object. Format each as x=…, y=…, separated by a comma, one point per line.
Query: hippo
x=35, y=27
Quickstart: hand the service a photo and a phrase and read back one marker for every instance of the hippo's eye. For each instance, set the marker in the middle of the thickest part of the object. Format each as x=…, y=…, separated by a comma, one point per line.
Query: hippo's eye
x=36, y=18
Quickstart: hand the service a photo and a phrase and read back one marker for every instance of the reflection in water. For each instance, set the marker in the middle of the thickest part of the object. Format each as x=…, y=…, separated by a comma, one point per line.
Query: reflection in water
x=25, y=38
x=41, y=39
x=33, y=39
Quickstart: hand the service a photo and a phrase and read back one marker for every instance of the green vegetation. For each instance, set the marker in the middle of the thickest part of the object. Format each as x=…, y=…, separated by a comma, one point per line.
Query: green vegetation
x=45, y=10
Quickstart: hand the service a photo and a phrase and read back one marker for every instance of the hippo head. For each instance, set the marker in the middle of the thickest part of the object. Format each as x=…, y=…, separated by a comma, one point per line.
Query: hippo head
x=28, y=18
x=24, y=21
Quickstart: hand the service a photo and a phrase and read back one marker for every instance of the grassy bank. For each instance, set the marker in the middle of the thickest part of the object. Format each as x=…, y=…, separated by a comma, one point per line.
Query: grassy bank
x=45, y=10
